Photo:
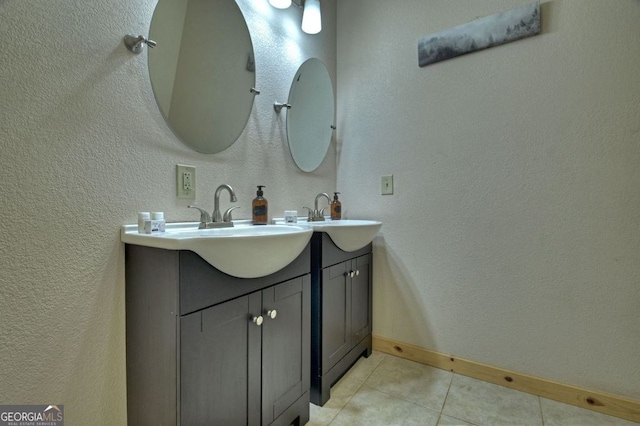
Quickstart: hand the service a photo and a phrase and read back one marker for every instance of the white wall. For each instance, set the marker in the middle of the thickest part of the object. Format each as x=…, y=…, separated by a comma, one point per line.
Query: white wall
x=83, y=148
x=513, y=236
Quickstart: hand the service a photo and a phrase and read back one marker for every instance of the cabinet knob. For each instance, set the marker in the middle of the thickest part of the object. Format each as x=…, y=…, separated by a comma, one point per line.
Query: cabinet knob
x=352, y=274
x=258, y=320
x=358, y=272
x=272, y=314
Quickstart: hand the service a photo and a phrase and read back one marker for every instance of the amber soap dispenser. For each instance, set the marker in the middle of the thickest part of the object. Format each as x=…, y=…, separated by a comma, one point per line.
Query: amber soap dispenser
x=336, y=207
x=260, y=208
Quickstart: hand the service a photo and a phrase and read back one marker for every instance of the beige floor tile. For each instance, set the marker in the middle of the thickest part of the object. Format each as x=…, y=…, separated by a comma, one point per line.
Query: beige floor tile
x=484, y=403
x=373, y=408
x=321, y=416
x=560, y=414
x=341, y=393
x=411, y=381
x=344, y=389
x=450, y=421
x=364, y=367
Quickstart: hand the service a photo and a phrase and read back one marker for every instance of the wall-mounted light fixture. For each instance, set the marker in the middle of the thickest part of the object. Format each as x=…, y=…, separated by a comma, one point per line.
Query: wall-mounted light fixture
x=280, y=4
x=311, y=16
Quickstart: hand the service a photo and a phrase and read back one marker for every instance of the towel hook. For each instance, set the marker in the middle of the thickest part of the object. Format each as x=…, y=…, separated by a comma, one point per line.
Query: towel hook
x=134, y=43
x=278, y=106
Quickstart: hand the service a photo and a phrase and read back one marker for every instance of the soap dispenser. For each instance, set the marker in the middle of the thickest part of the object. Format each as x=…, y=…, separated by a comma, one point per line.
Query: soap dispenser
x=260, y=208
x=336, y=207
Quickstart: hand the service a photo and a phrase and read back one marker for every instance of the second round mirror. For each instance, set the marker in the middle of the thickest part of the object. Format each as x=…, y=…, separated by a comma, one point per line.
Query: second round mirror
x=310, y=119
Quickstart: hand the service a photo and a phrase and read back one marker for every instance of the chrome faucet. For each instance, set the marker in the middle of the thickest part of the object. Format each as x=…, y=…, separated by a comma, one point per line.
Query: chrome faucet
x=217, y=220
x=317, y=215
x=217, y=216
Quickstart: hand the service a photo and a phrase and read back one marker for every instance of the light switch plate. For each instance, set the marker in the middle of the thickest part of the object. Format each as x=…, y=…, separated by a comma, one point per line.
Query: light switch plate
x=386, y=185
x=185, y=181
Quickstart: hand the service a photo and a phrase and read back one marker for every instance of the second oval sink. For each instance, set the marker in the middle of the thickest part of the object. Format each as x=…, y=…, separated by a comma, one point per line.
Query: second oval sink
x=349, y=234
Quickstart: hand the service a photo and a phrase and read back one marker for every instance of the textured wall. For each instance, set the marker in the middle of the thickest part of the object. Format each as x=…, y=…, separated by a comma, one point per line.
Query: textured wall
x=83, y=148
x=513, y=238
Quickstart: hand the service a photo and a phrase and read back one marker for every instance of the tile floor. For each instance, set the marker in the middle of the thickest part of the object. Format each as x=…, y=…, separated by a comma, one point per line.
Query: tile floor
x=387, y=390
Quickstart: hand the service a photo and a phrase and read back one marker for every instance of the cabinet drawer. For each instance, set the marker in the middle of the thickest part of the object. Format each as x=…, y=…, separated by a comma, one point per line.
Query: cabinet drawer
x=330, y=254
x=362, y=261
x=202, y=285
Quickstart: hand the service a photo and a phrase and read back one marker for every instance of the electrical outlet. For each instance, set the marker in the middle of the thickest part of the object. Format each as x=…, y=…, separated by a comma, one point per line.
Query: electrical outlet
x=386, y=185
x=185, y=181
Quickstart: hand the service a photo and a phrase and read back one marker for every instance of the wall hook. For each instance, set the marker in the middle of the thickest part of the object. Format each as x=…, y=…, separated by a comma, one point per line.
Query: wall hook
x=134, y=43
x=278, y=106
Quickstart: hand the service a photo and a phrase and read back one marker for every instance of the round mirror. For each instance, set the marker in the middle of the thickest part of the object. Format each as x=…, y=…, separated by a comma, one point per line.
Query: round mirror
x=310, y=119
x=202, y=71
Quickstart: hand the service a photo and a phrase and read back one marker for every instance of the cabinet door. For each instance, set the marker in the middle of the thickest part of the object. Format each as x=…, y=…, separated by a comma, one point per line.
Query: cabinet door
x=286, y=344
x=219, y=356
x=360, y=298
x=336, y=318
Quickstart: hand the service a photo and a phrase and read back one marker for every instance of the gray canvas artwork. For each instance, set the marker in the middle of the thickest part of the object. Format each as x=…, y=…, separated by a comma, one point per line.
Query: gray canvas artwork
x=480, y=34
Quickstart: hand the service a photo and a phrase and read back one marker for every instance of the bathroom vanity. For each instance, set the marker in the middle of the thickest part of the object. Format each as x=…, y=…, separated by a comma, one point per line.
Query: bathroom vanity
x=341, y=311
x=207, y=348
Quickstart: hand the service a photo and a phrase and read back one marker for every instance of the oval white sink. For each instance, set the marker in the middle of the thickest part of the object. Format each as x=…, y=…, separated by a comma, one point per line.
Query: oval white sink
x=244, y=251
x=349, y=234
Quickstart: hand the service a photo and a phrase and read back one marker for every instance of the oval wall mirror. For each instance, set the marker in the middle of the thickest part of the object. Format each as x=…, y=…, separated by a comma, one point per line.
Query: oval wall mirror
x=202, y=71
x=310, y=119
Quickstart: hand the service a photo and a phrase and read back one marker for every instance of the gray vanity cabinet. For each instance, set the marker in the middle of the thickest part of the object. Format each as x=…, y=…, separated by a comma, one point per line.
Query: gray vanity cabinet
x=341, y=312
x=204, y=348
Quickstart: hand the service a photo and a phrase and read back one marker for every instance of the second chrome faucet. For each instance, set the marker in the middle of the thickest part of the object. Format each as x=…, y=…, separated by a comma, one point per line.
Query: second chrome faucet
x=317, y=215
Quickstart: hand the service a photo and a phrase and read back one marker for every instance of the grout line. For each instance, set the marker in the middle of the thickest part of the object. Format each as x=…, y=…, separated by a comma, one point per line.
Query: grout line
x=358, y=389
x=400, y=397
x=345, y=404
x=445, y=397
x=448, y=390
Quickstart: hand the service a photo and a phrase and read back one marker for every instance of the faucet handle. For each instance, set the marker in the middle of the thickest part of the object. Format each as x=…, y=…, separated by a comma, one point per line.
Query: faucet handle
x=227, y=214
x=309, y=215
x=205, y=217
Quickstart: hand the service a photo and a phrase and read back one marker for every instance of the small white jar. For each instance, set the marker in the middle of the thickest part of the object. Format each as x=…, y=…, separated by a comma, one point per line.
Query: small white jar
x=290, y=217
x=142, y=217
